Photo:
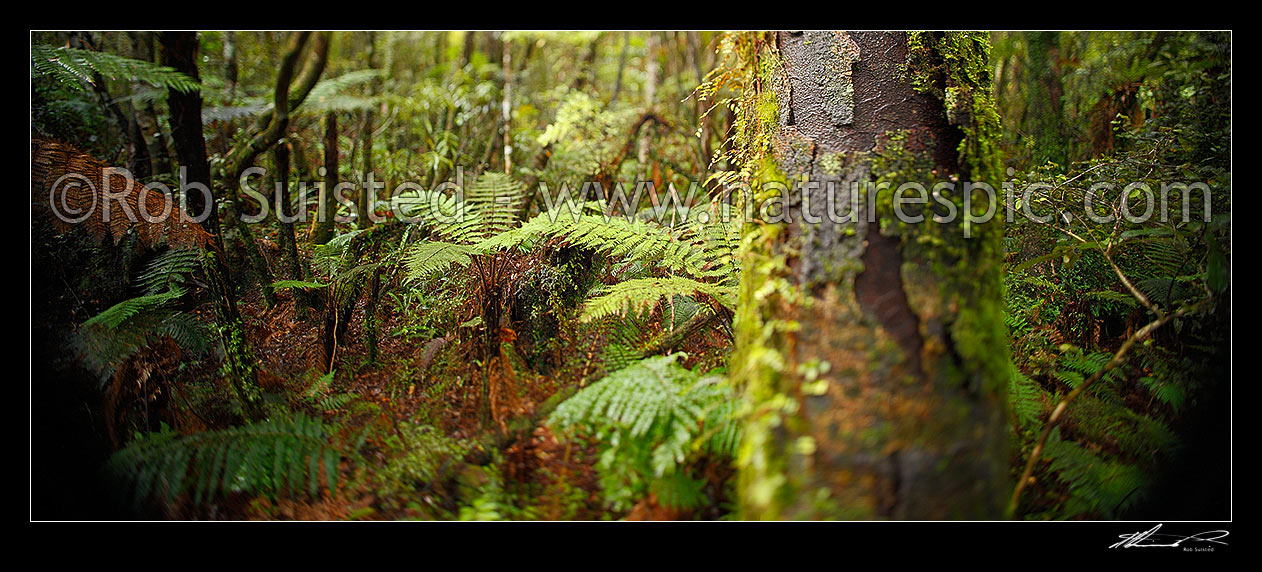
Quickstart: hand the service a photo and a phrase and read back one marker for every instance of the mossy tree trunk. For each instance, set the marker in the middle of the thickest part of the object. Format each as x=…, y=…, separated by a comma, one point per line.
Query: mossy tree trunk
x=871, y=352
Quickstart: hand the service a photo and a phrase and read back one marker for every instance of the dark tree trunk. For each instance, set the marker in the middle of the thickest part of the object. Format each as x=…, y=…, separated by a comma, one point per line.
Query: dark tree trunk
x=323, y=229
x=179, y=51
x=284, y=217
x=146, y=114
x=367, y=197
x=878, y=375
x=230, y=63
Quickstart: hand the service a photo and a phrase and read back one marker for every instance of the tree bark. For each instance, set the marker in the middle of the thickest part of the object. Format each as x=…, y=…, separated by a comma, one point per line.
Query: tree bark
x=506, y=106
x=323, y=229
x=267, y=130
x=622, y=65
x=650, y=96
x=872, y=350
x=364, y=203
x=179, y=51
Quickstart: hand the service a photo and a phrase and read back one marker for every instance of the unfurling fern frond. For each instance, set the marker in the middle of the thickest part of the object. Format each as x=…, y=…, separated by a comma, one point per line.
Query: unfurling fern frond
x=75, y=67
x=280, y=455
x=656, y=413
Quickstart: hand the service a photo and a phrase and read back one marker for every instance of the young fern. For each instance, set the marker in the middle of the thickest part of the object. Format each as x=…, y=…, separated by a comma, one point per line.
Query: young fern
x=168, y=271
x=1028, y=400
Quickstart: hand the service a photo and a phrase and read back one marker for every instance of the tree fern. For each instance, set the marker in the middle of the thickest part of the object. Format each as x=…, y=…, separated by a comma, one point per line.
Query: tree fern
x=331, y=256
x=289, y=454
x=488, y=206
x=75, y=68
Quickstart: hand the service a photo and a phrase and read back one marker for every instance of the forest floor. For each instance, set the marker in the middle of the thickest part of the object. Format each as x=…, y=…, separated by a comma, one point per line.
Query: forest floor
x=493, y=403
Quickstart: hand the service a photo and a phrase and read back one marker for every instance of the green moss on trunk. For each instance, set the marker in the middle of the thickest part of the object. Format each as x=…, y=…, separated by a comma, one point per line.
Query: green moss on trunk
x=872, y=357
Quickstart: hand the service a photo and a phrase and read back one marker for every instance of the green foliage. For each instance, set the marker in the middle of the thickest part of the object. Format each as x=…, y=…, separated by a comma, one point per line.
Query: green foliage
x=492, y=500
x=301, y=284
x=331, y=257
x=1028, y=400
x=651, y=418
x=287, y=454
x=416, y=452
x=488, y=207
x=106, y=340
x=1097, y=486
x=635, y=295
x=428, y=258
x=330, y=93
x=169, y=271
x=75, y=67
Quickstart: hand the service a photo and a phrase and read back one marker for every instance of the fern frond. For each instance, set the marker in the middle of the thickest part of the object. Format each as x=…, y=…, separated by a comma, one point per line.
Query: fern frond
x=283, y=284
x=660, y=409
x=1096, y=486
x=329, y=257
x=116, y=315
x=1028, y=399
x=427, y=258
x=636, y=295
x=74, y=67
x=332, y=86
x=273, y=456
x=169, y=270
x=231, y=112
